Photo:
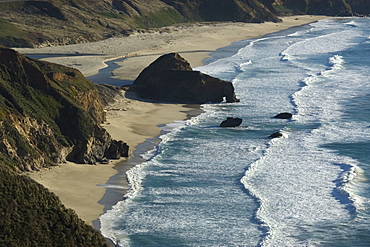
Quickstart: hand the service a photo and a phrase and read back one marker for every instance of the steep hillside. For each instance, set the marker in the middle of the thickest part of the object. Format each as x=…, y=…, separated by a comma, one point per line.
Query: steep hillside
x=48, y=114
x=220, y=10
x=32, y=216
x=53, y=22
x=360, y=7
x=314, y=7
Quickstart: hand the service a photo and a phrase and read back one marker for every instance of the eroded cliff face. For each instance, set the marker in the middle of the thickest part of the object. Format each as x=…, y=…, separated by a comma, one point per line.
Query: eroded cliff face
x=30, y=143
x=59, y=22
x=48, y=114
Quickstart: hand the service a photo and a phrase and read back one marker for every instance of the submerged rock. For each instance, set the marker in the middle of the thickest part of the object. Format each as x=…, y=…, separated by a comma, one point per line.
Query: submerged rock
x=278, y=135
x=231, y=122
x=284, y=115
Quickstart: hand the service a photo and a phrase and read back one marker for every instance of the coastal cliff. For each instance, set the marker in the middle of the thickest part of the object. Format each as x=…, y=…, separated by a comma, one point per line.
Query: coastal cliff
x=48, y=114
x=58, y=22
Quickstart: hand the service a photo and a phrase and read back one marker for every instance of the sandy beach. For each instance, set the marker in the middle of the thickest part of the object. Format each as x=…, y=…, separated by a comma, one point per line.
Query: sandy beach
x=81, y=187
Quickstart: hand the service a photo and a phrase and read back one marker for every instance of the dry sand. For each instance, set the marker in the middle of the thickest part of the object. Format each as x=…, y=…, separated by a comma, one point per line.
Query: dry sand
x=81, y=187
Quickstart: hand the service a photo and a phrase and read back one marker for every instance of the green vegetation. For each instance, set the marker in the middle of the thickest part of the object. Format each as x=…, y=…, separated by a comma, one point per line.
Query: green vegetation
x=30, y=23
x=115, y=15
x=163, y=17
x=11, y=5
x=11, y=35
x=8, y=29
x=282, y=10
x=32, y=216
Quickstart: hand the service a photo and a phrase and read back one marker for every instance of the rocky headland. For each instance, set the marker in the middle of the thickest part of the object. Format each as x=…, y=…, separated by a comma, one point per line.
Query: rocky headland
x=48, y=114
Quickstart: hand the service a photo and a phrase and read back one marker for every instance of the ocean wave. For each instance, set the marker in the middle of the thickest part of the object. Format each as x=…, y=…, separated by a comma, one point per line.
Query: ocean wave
x=323, y=44
x=352, y=24
x=288, y=201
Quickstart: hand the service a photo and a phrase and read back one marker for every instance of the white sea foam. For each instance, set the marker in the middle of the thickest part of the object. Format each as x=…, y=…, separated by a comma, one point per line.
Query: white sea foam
x=327, y=43
x=287, y=199
x=112, y=186
x=351, y=23
x=300, y=33
x=280, y=176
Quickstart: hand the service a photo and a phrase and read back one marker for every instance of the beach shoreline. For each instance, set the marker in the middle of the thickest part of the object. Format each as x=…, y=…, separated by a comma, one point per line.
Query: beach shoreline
x=91, y=190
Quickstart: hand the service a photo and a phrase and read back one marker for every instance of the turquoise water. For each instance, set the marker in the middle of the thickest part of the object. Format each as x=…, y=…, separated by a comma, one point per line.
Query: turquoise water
x=209, y=186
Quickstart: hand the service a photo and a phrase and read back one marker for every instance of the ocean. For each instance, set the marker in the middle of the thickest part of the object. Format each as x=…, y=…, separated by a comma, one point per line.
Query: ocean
x=204, y=185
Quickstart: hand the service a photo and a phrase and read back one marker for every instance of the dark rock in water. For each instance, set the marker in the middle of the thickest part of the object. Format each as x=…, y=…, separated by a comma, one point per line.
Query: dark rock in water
x=276, y=135
x=284, y=115
x=116, y=150
x=171, y=79
x=231, y=122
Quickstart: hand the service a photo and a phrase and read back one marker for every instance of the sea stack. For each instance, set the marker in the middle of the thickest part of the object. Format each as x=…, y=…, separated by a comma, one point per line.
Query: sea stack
x=171, y=79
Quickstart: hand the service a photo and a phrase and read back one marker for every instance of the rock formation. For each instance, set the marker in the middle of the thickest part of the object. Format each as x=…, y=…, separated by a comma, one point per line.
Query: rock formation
x=231, y=122
x=49, y=114
x=171, y=79
x=278, y=135
x=284, y=115
x=116, y=150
